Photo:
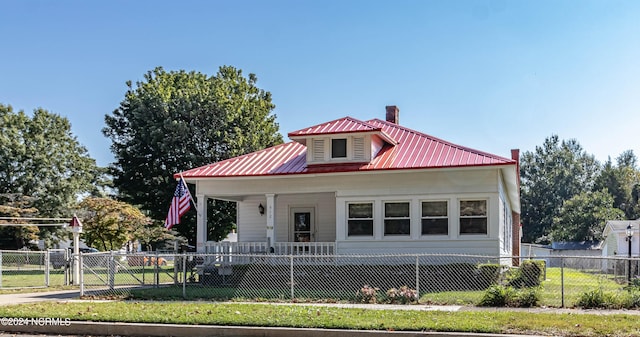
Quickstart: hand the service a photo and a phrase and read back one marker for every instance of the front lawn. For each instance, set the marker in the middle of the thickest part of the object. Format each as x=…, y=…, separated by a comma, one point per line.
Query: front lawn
x=304, y=316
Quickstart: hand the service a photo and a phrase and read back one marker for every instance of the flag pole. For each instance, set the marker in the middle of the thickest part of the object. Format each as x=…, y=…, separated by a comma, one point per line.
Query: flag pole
x=187, y=187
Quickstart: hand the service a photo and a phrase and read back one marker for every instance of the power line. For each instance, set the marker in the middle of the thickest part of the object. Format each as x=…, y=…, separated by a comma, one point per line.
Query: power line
x=34, y=224
x=48, y=219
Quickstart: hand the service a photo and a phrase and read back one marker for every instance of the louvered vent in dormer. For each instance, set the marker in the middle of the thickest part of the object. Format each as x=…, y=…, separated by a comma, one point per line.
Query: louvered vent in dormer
x=358, y=148
x=318, y=150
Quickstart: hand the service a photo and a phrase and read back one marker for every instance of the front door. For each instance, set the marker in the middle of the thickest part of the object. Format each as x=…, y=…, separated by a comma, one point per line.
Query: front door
x=302, y=220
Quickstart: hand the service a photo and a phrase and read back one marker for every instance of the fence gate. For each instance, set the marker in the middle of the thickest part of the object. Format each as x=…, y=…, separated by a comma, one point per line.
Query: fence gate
x=30, y=269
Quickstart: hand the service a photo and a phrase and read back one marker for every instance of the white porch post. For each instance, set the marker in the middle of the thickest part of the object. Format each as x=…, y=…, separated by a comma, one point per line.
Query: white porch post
x=271, y=219
x=201, y=223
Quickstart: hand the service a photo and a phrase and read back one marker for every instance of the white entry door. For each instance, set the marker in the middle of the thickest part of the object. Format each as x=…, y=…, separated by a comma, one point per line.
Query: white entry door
x=302, y=224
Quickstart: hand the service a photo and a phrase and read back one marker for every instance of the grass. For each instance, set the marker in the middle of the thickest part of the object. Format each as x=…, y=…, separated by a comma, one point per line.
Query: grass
x=5, y=291
x=33, y=276
x=575, y=284
x=177, y=311
x=30, y=277
x=301, y=316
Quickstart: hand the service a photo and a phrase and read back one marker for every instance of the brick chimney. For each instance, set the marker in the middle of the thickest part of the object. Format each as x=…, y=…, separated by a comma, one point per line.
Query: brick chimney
x=393, y=114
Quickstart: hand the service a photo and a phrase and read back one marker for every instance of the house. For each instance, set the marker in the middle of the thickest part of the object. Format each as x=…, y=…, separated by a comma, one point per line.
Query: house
x=365, y=187
x=616, y=242
x=564, y=253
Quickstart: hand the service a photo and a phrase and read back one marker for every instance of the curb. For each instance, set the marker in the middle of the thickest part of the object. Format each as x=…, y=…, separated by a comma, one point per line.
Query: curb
x=177, y=330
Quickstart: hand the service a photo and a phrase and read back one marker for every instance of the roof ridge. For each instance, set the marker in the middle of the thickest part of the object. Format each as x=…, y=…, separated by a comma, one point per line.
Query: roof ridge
x=348, y=118
x=422, y=134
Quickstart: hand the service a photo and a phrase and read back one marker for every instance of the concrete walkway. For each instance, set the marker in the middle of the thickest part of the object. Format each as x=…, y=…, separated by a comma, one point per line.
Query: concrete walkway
x=139, y=329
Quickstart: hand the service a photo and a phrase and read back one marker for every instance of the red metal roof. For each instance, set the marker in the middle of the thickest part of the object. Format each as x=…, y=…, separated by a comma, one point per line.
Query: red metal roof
x=342, y=125
x=413, y=150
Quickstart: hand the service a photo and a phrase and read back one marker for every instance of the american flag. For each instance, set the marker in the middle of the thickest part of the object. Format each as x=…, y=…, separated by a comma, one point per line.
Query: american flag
x=180, y=204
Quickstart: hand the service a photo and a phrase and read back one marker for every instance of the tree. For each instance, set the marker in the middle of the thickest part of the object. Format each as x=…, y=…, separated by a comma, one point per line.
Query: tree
x=16, y=206
x=173, y=121
x=41, y=159
x=552, y=174
x=582, y=218
x=621, y=181
x=108, y=224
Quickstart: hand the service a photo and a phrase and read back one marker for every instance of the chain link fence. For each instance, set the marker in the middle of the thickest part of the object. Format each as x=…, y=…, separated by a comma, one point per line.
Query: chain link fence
x=431, y=279
x=31, y=269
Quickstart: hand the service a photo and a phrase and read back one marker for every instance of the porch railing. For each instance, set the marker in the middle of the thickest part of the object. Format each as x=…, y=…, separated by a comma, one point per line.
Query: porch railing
x=225, y=253
x=279, y=248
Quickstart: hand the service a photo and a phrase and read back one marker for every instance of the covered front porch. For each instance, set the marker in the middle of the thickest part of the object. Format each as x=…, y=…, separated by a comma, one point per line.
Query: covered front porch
x=282, y=224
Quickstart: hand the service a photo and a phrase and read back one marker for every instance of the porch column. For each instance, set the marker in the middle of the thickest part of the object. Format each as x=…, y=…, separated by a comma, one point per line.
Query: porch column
x=271, y=219
x=201, y=223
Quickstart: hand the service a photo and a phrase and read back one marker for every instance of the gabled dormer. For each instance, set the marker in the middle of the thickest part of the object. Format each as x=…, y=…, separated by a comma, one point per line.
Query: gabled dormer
x=344, y=140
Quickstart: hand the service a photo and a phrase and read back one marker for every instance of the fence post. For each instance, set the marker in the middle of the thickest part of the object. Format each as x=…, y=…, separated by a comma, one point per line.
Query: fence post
x=184, y=275
x=65, y=267
x=291, y=275
x=562, y=280
x=156, y=274
x=81, y=276
x=46, y=268
x=175, y=269
x=0, y=269
x=112, y=271
x=418, y=276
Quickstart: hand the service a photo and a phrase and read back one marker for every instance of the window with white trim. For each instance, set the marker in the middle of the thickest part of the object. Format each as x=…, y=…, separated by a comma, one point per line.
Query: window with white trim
x=360, y=219
x=473, y=217
x=435, y=218
x=339, y=148
x=397, y=218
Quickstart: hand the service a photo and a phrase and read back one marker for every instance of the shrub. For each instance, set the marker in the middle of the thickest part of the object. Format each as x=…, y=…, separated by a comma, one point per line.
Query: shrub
x=500, y=296
x=529, y=274
x=496, y=296
x=598, y=299
x=367, y=294
x=488, y=274
x=632, y=300
x=525, y=298
x=403, y=295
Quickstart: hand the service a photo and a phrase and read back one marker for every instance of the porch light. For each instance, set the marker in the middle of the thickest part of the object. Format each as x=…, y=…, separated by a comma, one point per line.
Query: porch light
x=261, y=209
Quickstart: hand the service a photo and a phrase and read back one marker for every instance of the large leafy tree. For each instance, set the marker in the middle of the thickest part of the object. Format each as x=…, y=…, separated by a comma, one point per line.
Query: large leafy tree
x=41, y=159
x=177, y=120
x=550, y=175
x=108, y=224
x=582, y=218
x=621, y=181
x=16, y=206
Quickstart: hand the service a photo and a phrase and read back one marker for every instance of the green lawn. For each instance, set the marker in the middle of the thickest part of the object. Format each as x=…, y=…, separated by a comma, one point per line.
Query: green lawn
x=575, y=284
x=30, y=276
x=270, y=315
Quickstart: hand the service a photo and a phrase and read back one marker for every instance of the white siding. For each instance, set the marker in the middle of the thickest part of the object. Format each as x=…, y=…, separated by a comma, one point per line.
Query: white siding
x=252, y=226
x=505, y=221
x=329, y=194
x=469, y=247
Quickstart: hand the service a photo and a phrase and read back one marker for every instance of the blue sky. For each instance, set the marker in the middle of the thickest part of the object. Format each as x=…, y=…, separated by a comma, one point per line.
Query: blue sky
x=491, y=75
